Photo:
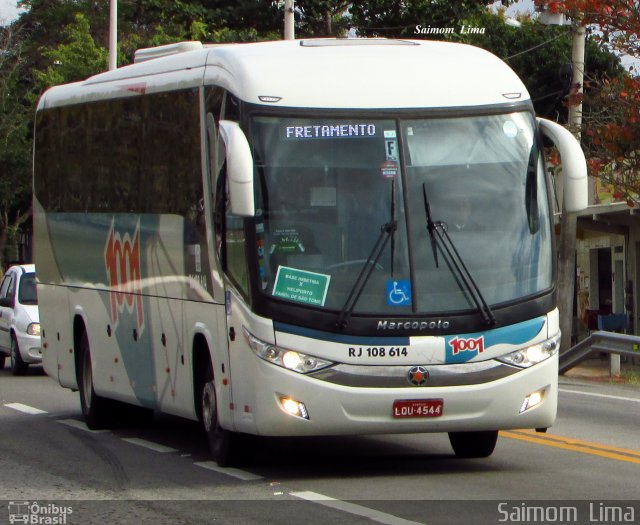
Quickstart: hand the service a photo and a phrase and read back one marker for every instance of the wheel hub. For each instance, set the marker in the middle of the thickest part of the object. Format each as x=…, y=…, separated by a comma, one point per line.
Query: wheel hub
x=209, y=416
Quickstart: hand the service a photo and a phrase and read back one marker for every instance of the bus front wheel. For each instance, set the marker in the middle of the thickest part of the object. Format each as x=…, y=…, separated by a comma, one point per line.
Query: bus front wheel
x=478, y=444
x=97, y=410
x=221, y=441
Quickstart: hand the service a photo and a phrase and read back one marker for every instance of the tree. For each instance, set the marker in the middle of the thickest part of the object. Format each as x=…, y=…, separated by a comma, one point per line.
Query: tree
x=611, y=119
x=541, y=56
x=15, y=179
x=322, y=17
x=75, y=59
x=399, y=18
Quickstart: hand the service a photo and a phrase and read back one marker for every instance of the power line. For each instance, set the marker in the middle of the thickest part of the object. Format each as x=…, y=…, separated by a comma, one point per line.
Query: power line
x=533, y=48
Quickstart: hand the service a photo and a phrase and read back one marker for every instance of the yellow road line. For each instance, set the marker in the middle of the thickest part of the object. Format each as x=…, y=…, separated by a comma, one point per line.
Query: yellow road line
x=575, y=445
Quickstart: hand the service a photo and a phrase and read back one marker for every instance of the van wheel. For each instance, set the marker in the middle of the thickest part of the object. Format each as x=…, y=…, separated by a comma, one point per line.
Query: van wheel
x=2, y=358
x=222, y=443
x=97, y=410
x=473, y=444
x=18, y=366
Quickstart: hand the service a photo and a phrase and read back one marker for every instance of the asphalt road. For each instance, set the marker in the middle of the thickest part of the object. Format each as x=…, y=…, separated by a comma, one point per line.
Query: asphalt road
x=586, y=469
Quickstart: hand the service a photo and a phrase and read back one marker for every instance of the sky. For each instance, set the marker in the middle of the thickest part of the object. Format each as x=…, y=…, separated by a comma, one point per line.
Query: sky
x=8, y=11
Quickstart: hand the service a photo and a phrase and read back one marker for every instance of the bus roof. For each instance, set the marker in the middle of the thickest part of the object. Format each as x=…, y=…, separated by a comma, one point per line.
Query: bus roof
x=319, y=73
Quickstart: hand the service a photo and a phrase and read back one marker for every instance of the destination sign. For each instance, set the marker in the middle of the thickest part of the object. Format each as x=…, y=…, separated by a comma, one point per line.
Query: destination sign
x=330, y=131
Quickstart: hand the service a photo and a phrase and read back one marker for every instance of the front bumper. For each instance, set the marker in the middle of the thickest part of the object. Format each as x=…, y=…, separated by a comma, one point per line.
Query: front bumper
x=30, y=348
x=336, y=409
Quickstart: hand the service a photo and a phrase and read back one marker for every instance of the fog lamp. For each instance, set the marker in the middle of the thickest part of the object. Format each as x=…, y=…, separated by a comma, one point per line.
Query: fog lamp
x=293, y=407
x=532, y=400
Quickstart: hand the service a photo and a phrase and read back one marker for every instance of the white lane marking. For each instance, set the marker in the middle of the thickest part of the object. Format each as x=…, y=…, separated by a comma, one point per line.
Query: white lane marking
x=80, y=425
x=352, y=508
x=25, y=408
x=604, y=396
x=156, y=447
x=234, y=472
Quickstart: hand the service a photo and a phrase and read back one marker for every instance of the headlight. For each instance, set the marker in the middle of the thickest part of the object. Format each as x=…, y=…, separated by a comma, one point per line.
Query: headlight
x=283, y=357
x=526, y=357
x=33, y=329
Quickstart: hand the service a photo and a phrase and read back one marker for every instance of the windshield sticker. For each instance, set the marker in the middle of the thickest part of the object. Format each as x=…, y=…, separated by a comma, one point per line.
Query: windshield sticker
x=330, y=131
x=286, y=241
x=391, y=149
x=389, y=133
x=301, y=286
x=389, y=169
x=398, y=292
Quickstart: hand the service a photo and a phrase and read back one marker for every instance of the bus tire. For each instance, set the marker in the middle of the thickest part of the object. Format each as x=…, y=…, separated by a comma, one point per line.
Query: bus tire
x=18, y=366
x=97, y=410
x=479, y=444
x=222, y=442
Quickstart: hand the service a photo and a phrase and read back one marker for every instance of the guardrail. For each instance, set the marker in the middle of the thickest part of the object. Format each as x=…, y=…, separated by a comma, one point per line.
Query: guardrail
x=601, y=342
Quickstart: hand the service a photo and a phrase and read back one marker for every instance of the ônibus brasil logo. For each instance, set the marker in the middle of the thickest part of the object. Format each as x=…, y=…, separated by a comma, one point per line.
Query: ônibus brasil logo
x=460, y=344
x=122, y=261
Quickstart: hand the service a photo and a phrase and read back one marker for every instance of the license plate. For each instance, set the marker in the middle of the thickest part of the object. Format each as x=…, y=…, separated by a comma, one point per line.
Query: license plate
x=405, y=408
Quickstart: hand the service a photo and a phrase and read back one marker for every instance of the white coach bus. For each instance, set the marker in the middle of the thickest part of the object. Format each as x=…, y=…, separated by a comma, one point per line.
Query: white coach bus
x=313, y=237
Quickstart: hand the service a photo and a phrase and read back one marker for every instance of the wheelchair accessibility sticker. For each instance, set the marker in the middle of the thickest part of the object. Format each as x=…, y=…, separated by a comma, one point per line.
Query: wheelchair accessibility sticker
x=398, y=292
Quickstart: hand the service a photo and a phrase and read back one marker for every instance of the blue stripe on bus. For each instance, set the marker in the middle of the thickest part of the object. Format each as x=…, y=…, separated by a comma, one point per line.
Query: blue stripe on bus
x=517, y=334
x=339, y=338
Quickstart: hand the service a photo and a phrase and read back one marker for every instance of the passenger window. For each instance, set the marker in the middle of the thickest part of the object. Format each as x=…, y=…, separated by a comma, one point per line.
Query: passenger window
x=8, y=288
x=5, y=285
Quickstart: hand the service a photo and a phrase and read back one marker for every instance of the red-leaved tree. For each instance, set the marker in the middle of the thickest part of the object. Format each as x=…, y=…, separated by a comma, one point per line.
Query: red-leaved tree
x=611, y=125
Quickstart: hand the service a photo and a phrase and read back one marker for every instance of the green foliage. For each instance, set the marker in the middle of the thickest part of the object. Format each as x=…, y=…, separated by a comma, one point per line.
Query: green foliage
x=317, y=18
x=78, y=57
x=15, y=177
x=399, y=18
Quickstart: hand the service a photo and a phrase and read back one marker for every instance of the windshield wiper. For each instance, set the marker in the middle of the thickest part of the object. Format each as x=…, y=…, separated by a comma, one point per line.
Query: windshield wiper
x=386, y=232
x=440, y=239
x=431, y=226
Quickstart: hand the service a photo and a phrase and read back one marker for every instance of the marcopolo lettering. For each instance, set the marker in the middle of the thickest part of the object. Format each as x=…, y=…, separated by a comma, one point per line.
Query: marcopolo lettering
x=329, y=131
x=413, y=325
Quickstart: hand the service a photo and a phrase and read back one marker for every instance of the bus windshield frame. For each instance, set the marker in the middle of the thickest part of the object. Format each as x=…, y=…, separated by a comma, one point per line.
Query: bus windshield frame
x=328, y=188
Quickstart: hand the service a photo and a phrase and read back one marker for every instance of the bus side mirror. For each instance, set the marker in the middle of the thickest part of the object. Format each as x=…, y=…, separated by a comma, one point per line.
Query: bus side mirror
x=574, y=165
x=239, y=169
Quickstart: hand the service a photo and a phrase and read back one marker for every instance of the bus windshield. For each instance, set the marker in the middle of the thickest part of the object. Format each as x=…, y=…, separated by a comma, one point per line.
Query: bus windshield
x=341, y=211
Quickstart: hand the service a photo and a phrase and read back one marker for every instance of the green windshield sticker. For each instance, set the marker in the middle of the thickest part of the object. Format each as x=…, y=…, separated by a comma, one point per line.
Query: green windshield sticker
x=287, y=241
x=301, y=286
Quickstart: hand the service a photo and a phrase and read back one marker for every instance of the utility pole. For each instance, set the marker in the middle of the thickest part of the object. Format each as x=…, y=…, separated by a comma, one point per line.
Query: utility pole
x=289, y=20
x=113, y=35
x=569, y=221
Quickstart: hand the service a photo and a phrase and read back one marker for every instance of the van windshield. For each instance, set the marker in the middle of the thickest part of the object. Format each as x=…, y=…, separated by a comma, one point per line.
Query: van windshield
x=341, y=200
